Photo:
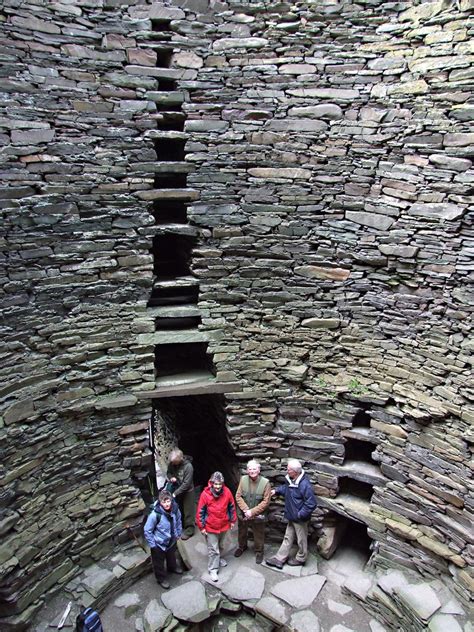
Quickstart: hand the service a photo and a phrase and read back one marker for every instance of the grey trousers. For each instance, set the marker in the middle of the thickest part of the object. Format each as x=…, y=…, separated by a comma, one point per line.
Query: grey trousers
x=298, y=530
x=214, y=545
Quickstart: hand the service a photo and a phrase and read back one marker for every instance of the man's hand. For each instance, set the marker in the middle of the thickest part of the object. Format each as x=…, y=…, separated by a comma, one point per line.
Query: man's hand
x=173, y=480
x=273, y=492
x=248, y=514
x=203, y=531
x=232, y=526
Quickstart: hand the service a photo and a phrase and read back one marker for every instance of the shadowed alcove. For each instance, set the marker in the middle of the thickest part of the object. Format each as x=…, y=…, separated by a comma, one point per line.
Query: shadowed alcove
x=197, y=425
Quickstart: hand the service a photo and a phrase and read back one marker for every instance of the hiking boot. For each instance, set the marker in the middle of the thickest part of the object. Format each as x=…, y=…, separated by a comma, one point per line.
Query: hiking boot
x=258, y=558
x=222, y=562
x=213, y=575
x=164, y=584
x=238, y=552
x=274, y=561
x=294, y=562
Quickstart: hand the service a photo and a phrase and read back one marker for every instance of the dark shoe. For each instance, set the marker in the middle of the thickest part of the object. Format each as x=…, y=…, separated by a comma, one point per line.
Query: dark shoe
x=294, y=562
x=164, y=584
x=258, y=558
x=238, y=552
x=274, y=561
x=178, y=571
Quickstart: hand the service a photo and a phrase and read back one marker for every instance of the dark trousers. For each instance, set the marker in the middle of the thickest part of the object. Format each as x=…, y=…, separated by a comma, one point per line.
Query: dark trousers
x=258, y=530
x=188, y=511
x=158, y=557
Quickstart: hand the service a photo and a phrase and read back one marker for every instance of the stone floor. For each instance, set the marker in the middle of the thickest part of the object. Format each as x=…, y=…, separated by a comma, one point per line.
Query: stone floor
x=322, y=596
x=307, y=599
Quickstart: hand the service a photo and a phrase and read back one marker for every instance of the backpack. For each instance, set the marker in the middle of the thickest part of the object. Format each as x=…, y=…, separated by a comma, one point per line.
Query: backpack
x=88, y=621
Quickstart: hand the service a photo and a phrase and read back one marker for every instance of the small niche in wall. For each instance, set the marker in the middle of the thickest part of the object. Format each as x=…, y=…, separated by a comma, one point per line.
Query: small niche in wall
x=343, y=536
x=356, y=450
x=163, y=56
x=171, y=255
x=176, y=295
x=170, y=149
x=178, y=322
x=170, y=212
x=351, y=487
x=170, y=180
x=173, y=359
x=361, y=419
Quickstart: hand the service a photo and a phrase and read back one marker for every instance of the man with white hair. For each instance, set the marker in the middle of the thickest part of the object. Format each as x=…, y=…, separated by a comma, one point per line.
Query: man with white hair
x=300, y=502
x=253, y=498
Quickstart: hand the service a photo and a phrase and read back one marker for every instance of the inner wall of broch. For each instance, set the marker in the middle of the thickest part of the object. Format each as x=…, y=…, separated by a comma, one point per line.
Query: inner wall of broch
x=244, y=226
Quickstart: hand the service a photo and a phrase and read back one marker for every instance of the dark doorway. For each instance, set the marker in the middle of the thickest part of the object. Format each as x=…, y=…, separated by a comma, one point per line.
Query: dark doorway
x=198, y=425
x=345, y=536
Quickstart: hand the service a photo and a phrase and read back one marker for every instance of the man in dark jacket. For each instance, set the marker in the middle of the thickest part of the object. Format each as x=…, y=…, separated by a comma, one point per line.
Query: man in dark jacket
x=162, y=530
x=180, y=476
x=300, y=503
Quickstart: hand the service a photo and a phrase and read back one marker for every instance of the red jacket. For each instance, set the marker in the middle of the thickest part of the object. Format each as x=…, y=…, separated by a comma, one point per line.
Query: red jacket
x=216, y=515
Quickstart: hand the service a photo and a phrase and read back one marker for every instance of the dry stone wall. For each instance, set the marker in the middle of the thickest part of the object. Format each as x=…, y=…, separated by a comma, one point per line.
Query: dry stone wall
x=76, y=275
x=330, y=145
x=333, y=148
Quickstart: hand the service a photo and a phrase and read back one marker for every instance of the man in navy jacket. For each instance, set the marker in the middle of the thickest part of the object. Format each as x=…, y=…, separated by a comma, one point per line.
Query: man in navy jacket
x=300, y=503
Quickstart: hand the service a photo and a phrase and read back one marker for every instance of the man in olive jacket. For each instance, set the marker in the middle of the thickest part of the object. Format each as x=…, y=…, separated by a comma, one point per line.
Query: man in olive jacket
x=180, y=483
x=253, y=498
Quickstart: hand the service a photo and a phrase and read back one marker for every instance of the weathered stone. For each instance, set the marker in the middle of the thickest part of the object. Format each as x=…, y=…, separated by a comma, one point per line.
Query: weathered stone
x=419, y=598
x=301, y=592
x=155, y=617
x=335, y=274
x=187, y=602
x=372, y=220
x=438, y=210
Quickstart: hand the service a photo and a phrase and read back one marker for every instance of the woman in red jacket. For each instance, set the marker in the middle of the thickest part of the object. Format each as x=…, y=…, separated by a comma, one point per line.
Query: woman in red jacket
x=215, y=516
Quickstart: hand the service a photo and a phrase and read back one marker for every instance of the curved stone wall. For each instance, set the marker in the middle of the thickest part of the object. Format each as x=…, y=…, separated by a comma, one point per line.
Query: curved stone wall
x=331, y=146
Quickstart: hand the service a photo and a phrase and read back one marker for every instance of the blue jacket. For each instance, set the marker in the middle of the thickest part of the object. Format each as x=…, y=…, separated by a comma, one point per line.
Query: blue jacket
x=300, y=501
x=162, y=529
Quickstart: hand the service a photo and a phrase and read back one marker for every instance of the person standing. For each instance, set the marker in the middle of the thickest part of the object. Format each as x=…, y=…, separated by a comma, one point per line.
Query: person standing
x=215, y=516
x=180, y=474
x=253, y=499
x=300, y=502
x=162, y=530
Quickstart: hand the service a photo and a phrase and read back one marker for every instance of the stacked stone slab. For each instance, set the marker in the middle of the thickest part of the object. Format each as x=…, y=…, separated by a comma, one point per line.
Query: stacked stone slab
x=331, y=146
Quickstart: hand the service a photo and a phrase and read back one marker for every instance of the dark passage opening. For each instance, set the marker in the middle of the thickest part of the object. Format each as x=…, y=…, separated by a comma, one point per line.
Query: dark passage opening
x=166, y=212
x=172, y=254
x=167, y=85
x=160, y=26
x=179, y=322
x=170, y=180
x=198, y=424
x=361, y=419
x=173, y=359
x=356, y=450
x=163, y=57
x=169, y=149
x=355, y=488
x=171, y=121
x=345, y=537
x=173, y=296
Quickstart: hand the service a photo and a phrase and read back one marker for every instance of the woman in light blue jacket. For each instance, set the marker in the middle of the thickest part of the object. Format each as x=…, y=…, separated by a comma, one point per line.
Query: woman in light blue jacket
x=162, y=530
